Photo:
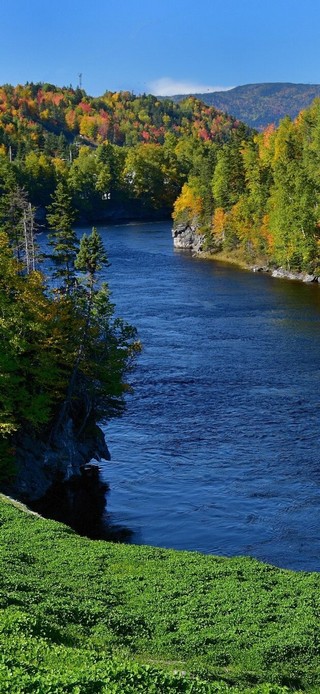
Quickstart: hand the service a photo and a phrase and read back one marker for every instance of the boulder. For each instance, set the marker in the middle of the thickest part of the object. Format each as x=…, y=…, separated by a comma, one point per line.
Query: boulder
x=186, y=237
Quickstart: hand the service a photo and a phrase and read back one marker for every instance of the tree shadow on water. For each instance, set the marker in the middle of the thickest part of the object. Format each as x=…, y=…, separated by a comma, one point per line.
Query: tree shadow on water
x=80, y=503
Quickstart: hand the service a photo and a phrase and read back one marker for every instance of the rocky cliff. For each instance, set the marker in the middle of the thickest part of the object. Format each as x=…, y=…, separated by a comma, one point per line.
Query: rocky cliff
x=186, y=237
x=41, y=464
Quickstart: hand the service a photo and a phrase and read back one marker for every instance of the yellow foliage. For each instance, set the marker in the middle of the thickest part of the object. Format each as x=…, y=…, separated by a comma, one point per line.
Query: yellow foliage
x=7, y=427
x=59, y=165
x=188, y=202
x=89, y=126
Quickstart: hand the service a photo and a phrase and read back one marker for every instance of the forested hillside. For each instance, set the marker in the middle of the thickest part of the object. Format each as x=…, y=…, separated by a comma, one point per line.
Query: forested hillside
x=262, y=202
x=116, y=149
x=259, y=105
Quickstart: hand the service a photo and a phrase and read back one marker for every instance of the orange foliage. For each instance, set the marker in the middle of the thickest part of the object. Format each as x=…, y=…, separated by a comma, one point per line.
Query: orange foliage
x=267, y=133
x=266, y=233
x=71, y=119
x=219, y=221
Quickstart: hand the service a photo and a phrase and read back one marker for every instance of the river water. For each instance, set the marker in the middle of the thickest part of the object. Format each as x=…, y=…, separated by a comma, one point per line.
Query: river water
x=218, y=450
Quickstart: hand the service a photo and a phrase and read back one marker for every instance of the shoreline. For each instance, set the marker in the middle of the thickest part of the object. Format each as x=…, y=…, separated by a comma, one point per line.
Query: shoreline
x=186, y=238
x=277, y=272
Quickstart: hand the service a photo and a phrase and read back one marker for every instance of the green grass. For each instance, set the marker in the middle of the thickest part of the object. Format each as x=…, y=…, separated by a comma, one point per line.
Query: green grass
x=82, y=617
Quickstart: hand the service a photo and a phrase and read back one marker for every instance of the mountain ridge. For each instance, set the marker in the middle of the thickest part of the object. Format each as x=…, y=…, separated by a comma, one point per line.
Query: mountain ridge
x=259, y=104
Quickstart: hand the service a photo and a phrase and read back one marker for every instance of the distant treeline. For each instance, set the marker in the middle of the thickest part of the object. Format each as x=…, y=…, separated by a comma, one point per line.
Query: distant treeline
x=254, y=193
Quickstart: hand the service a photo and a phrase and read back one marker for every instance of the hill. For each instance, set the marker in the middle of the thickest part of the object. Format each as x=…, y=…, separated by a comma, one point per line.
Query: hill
x=44, y=117
x=258, y=105
x=135, y=151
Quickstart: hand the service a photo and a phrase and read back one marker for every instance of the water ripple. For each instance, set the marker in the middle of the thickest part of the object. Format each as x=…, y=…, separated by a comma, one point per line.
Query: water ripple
x=219, y=448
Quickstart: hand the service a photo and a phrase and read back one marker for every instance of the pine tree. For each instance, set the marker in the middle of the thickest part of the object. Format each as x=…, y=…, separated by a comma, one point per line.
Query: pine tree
x=63, y=238
x=91, y=257
x=90, y=260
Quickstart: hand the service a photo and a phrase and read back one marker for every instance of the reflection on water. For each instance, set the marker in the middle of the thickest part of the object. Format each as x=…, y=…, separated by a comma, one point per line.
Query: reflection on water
x=80, y=503
x=219, y=448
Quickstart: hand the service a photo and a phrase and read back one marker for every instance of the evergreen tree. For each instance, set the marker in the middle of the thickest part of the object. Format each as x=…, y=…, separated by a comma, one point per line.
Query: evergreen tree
x=101, y=346
x=91, y=257
x=63, y=239
x=228, y=181
x=31, y=378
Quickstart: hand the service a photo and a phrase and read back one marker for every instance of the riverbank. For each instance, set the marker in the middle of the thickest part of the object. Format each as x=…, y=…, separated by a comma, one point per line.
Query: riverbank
x=279, y=272
x=88, y=616
x=187, y=238
x=61, y=478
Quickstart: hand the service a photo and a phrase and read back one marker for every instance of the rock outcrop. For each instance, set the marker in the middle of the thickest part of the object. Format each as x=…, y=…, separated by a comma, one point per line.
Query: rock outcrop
x=40, y=464
x=186, y=237
x=299, y=276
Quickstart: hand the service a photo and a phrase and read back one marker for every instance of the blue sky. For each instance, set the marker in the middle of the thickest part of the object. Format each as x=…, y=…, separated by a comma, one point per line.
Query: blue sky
x=159, y=46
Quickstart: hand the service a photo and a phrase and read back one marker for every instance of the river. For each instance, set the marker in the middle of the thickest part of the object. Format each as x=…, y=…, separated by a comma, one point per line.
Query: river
x=218, y=450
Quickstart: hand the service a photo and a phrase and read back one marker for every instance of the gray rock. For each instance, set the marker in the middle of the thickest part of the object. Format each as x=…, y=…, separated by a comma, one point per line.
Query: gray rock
x=260, y=268
x=186, y=237
x=290, y=275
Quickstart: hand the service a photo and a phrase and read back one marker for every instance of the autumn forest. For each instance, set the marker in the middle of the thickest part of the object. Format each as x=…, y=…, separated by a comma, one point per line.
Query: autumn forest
x=67, y=157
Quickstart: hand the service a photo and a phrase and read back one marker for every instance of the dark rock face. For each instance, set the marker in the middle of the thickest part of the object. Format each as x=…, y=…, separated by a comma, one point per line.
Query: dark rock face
x=79, y=502
x=40, y=465
x=61, y=480
x=186, y=237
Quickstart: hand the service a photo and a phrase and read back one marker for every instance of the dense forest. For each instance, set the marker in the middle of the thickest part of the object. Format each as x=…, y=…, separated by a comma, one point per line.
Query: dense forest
x=65, y=156
x=63, y=353
x=261, y=203
x=259, y=105
x=110, y=150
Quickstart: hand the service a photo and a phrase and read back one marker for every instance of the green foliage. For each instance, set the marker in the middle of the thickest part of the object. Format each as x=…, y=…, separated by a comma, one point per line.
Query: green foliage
x=91, y=256
x=228, y=179
x=63, y=238
x=83, y=616
x=29, y=373
x=62, y=352
x=118, y=145
x=265, y=196
x=151, y=173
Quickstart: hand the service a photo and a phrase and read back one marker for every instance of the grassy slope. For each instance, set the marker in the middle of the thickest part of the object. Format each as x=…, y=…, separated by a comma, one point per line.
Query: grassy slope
x=82, y=617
